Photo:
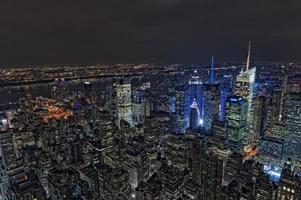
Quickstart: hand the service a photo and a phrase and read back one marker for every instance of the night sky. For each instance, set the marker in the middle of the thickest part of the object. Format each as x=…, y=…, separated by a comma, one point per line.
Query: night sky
x=142, y=31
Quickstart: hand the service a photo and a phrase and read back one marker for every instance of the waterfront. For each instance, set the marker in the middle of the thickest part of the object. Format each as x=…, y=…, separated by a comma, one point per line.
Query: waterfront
x=13, y=93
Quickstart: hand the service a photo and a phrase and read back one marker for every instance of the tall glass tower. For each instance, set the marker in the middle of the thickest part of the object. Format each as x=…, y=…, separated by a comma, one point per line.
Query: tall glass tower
x=245, y=88
x=124, y=103
x=236, y=121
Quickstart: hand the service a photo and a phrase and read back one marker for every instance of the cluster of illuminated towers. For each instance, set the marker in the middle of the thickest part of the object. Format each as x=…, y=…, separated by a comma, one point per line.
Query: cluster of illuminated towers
x=211, y=101
x=204, y=102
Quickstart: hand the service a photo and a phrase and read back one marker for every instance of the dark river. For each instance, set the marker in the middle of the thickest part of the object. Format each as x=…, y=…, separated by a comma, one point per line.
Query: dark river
x=12, y=94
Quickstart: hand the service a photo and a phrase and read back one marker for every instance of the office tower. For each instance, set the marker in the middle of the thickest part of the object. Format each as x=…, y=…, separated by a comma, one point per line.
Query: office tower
x=194, y=93
x=5, y=190
x=245, y=88
x=264, y=188
x=212, y=100
x=213, y=177
x=44, y=165
x=152, y=137
x=228, y=82
x=124, y=103
x=108, y=96
x=207, y=169
x=136, y=164
x=57, y=183
x=271, y=150
x=77, y=152
x=172, y=183
x=232, y=167
x=289, y=186
x=236, y=119
x=258, y=117
x=273, y=108
x=113, y=183
x=292, y=120
x=198, y=148
x=194, y=116
x=138, y=106
x=245, y=179
x=147, y=107
x=245, y=84
x=226, y=90
x=277, y=104
x=181, y=109
x=175, y=150
x=151, y=189
x=26, y=186
x=239, y=177
x=219, y=131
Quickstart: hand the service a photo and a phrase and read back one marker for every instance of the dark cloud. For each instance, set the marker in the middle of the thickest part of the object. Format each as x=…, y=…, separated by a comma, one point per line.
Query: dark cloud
x=185, y=31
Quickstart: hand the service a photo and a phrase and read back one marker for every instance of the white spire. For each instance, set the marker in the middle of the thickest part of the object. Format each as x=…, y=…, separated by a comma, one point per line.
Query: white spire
x=249, y=57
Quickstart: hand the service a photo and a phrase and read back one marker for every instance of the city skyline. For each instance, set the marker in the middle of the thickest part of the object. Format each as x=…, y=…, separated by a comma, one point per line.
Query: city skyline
x=160, y=100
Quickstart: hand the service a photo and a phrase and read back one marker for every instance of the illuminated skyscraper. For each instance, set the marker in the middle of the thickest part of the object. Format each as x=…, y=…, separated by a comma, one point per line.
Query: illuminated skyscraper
x=211, y=104
x=226, y=90
x=194, y=93
x=236, y=121
x=273, y=108
x=245, y=80
x=259, y=116
x=245, y=88
x=292, y=119
x=194, y=116
x=245, y=84
x=212, y=100
x=124, y=103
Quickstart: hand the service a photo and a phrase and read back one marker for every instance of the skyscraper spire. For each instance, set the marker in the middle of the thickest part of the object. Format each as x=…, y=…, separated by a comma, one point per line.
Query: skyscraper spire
x=249, y=56
x=211, y=80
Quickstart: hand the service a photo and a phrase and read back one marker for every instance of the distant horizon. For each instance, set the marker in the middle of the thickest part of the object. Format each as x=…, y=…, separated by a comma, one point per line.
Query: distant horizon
x=156, y=63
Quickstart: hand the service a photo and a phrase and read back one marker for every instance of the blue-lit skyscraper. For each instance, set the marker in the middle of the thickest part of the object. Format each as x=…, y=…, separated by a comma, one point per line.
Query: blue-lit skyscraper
x=194, y=116
x=211, y=100
x=193, y=93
